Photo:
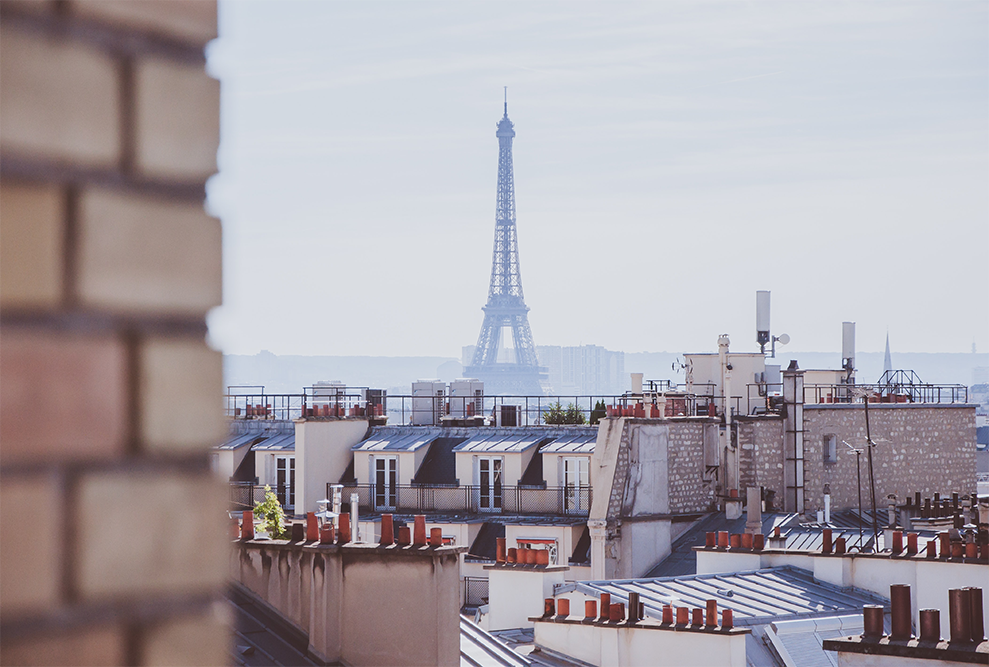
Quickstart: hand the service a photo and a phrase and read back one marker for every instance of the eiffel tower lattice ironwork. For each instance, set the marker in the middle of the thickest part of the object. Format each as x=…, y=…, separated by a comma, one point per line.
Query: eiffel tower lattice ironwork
x=506, y=307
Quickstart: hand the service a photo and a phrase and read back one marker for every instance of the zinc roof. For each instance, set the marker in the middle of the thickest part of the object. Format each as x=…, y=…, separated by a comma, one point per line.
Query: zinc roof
x=280, y=441
x=401, y=439
x=571, y=444
x=480, y=649
x=237, y=441
x=500, y=442
x=756, y=597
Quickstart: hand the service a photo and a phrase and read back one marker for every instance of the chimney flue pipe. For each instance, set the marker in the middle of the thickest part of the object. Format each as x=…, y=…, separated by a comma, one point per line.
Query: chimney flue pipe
x=959, y=614
x=899, y=596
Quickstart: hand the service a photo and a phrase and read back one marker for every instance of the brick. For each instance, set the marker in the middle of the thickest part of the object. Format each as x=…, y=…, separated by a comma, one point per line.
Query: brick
x=63, y=396
x=148, y=255
x=202, y=640
x=90, y=646
x=33, y=6
x=181, y=390
x=150, y=533
x=31, y=252
x=58, y=99
x=177, y=120
x=30, y=553
x=190, y=20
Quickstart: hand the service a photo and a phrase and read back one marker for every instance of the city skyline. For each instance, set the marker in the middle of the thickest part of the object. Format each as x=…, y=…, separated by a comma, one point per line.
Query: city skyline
x=672, y=160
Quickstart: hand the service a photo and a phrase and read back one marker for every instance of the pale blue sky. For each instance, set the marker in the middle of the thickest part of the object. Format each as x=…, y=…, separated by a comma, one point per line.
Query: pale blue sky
x=671, y=158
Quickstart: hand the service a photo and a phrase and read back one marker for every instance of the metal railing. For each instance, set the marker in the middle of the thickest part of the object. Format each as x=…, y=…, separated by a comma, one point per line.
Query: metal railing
x=528, y=410
x=494, y=410
x=414, y=499
x=247, y=402
x=245, y=495
x=767, y=395
x=475, y=591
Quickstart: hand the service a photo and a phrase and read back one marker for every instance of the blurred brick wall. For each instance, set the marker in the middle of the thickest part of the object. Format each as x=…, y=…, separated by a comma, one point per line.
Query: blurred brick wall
x=112, y=529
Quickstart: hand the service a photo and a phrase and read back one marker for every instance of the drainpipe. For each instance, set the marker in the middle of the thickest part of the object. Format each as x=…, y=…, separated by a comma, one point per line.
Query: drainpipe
x=354, y=501
x=731, y=456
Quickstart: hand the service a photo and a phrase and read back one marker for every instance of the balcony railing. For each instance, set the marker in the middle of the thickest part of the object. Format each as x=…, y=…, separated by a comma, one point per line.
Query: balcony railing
x=417, y=499
x=245, y=495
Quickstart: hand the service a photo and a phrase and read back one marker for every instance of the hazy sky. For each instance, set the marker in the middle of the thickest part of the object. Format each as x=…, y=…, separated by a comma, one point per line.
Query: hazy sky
x=671, y=158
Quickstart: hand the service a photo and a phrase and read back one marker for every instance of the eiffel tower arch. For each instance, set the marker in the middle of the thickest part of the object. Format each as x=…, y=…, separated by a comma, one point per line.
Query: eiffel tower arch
x=505, y=312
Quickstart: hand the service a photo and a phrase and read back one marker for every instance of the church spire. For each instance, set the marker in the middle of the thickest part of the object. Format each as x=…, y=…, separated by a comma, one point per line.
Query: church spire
x=888, y=360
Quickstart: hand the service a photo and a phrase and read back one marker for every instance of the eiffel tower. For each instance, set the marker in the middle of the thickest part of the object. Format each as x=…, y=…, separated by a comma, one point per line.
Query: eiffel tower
x=520, y=373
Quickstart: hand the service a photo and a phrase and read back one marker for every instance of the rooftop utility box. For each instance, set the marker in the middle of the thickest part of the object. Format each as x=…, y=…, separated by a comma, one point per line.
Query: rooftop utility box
x=428, y=402
x=466, y=397
x=508, y=415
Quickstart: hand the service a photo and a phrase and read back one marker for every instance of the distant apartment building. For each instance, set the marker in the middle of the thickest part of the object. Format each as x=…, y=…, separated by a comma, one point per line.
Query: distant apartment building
x=583, y=370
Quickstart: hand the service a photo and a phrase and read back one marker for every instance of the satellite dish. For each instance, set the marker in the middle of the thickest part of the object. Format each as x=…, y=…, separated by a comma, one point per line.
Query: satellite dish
x=783, y=339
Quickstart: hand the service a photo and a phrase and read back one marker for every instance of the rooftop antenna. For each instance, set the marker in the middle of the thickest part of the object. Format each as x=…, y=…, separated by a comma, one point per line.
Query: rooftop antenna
x=762, y=318
x=848, y=351
x=763, y=335
x=506, y=101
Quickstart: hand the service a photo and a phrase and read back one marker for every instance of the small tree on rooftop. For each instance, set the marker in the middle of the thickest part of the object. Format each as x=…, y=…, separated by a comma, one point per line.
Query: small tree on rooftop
x=270, y=512
x=555, y=413
x=598, y=412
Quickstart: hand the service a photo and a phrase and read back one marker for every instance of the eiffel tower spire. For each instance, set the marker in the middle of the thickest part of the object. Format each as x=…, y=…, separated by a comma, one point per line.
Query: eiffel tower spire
x=506, y=307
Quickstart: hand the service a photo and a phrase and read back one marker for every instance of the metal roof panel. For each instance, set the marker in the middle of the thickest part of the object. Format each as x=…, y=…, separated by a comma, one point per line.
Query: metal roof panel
x=397, y=440
x=571, y=444
x=281, y=442
x=501, y=442
x=238, y=441
x=755, y=597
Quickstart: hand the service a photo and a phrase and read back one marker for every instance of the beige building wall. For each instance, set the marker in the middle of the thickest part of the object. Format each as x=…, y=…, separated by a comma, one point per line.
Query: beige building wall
x=322, y=454
x=112, y=527
x=340, y=598
x=705, y=369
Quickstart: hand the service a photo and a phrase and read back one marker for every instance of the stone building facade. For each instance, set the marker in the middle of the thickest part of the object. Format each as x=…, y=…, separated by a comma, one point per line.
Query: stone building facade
x=650, y=472
x=113, y=531
x=919, y=447
x=760, y=442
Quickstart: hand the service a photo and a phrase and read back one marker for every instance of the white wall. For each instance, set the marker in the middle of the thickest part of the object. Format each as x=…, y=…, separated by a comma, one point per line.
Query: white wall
x=226, y=463
x=643, y=545
x=515, y=594
x=322, y=453
x=616, y=646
